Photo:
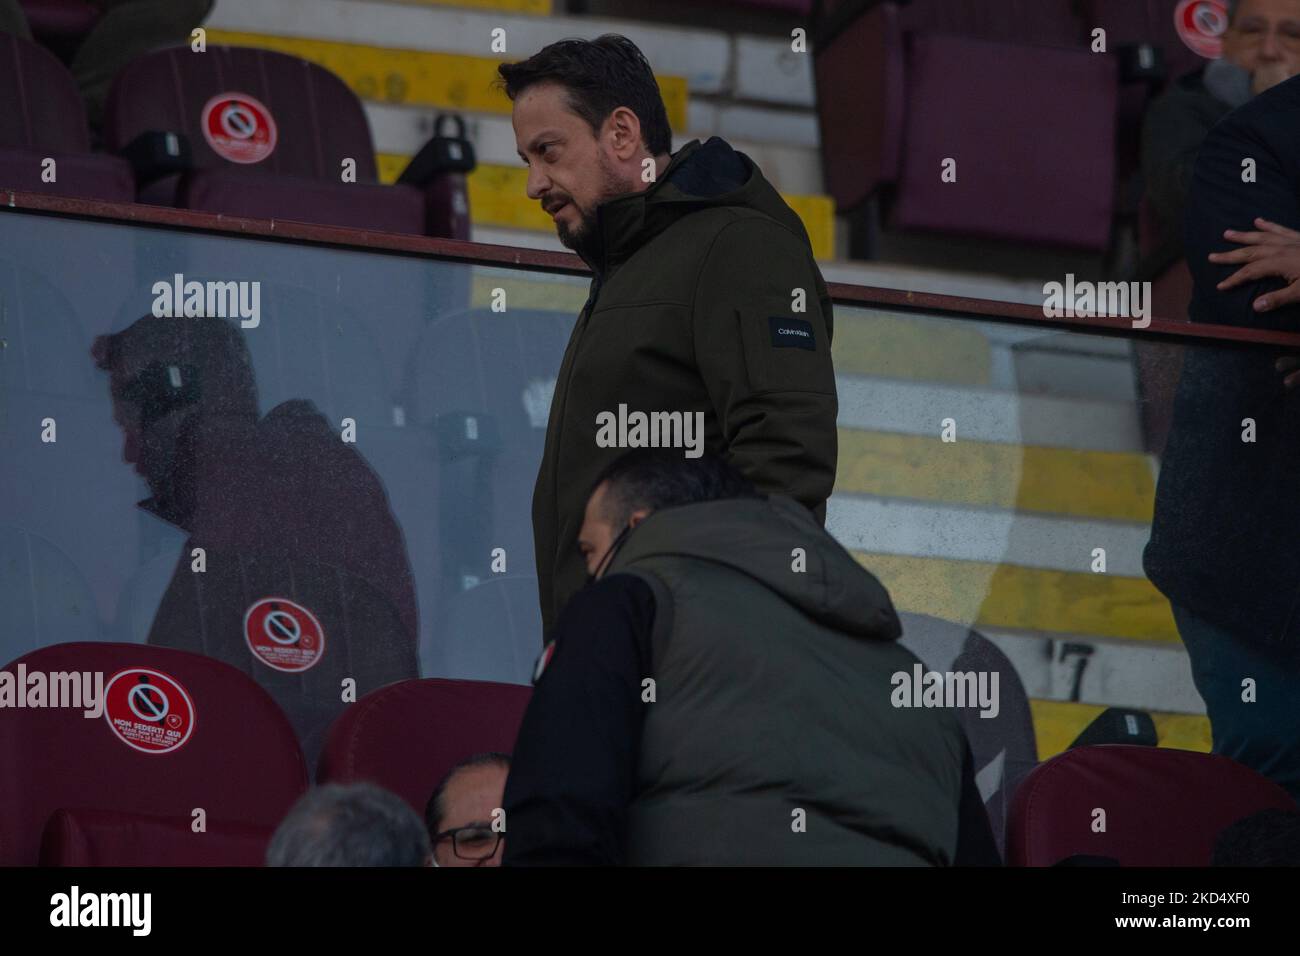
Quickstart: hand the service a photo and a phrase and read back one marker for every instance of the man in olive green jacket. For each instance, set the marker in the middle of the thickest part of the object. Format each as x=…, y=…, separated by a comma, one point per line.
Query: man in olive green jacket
x=706, y=304
x=727, y=692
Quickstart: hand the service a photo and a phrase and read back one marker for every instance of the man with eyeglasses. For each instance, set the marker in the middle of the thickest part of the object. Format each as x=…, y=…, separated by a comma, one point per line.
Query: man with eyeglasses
x=1261, y=48
x=464, y=816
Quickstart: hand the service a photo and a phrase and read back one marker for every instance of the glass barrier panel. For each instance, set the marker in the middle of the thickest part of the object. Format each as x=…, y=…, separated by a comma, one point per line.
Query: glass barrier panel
x=317, y=463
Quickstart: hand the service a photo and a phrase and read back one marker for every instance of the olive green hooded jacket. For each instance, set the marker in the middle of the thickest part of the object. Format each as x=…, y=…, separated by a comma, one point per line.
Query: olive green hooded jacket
x=705, y=298
x=774, y=737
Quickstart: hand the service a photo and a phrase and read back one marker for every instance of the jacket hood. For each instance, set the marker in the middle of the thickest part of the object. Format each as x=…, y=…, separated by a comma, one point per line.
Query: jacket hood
x=698, y=177
x=756, y=537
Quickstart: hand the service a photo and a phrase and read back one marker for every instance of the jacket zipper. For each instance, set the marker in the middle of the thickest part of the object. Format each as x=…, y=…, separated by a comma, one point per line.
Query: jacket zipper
x=583, y=318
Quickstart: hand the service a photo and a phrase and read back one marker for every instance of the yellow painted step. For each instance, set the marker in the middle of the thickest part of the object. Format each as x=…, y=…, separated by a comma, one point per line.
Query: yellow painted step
x=912, y=348
x=551, y=295
x=419, y=77
x=541, y=8
x=1058, y=723
x=997, y=596
x=1063, y=481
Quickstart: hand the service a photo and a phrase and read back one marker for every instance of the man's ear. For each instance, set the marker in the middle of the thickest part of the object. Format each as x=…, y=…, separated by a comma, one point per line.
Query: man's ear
x=638, y=516
x=626, y=126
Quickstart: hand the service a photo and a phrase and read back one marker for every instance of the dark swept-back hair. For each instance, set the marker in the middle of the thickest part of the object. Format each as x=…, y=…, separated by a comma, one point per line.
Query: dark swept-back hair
x=655, y=478
x=214, y=348
x=434, y=811
x=599, y=76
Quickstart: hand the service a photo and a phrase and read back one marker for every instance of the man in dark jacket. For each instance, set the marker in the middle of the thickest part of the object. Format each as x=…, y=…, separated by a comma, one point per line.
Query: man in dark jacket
x=1261, y=48
x=705, y=301
x=1223, y=543
x=727, y=693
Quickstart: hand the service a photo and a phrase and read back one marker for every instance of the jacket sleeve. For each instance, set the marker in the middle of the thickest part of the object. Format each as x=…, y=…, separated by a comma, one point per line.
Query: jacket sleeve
x=573, y=772
x=762, y=335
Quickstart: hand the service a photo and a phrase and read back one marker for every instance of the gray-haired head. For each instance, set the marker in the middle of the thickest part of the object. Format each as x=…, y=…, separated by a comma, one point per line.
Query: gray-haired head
x=356, y=824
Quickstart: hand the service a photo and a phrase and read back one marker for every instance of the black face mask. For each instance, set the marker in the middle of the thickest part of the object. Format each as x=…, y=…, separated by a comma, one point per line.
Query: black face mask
x=614, y=545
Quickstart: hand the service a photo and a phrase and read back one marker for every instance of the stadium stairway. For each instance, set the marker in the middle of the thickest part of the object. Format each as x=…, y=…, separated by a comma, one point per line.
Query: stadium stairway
x=996, y=530
x=410, y=61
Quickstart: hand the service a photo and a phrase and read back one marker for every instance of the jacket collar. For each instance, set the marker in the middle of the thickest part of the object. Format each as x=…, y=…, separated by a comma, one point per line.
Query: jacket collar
x=623, y=223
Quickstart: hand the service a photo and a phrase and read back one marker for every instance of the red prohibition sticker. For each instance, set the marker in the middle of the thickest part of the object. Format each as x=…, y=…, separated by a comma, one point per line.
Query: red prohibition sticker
x=284, y=635
x=239, y=128
x=1200, y=25
x=148, y=711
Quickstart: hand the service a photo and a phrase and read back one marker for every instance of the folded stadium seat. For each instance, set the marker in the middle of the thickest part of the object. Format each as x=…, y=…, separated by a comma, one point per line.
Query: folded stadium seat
x=268, y=138
x=44, y=118
x=179, y=732
x=491, y=631
x=44, y=597
x=73, y=548
x=481, y=383
x=406, y=737
x=114, y=838
x=1035, y=22
x=1162, y=807
x=1004, y=747
x=893, y=108
x=1020, y=148
x=798, y=7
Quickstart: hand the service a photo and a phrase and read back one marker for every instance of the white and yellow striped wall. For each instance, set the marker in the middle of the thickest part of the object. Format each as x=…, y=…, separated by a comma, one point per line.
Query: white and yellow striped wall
x=409, y=61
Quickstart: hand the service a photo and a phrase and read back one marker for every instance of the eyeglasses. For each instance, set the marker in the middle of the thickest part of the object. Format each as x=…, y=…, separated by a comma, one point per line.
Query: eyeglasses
x=473, y=842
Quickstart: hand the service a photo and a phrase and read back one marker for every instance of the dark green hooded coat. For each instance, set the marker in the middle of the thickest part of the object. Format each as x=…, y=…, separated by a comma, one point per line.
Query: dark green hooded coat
x=773, y=694
x=693, y=308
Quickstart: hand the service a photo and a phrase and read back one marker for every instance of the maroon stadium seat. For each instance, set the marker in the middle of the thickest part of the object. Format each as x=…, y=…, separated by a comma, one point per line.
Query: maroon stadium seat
x=1015, y=151
x=797, y=7
x=1037, y=22
x=406, y=737
x=116, y=838
x=61, y=19
x=861, y=130
x=218, y=743
x=1163, y=807
x=887, y=78
x=268, y=135
x=43, y=117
